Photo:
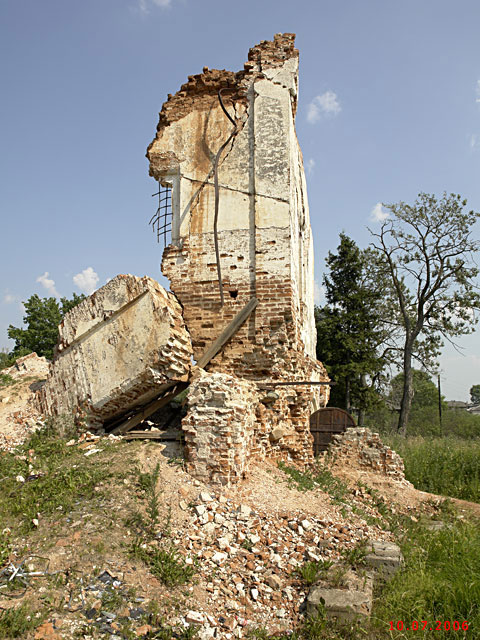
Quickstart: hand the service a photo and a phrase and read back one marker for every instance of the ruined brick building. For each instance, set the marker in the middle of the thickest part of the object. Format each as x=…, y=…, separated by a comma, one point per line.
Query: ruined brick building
x=265, y=247
x=227, y=154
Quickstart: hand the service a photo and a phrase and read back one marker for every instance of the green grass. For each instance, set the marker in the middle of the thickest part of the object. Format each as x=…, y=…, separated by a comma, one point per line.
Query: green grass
x=6, y=380
x=61, y=477
x=165, y=563
x=310, y=572
x=440, y=581
x=448, y=466
x=320, y=477
x=16, y=622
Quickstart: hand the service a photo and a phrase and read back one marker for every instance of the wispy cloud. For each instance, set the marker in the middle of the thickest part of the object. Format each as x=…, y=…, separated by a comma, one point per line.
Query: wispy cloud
x=378, y=213
x=144, y=5
x=325, y=105
x=310, y=166
x=86, y=280
x=9, y=298
x=474, y=141
x=477, y=91
x=49, y=284
x=318, y=293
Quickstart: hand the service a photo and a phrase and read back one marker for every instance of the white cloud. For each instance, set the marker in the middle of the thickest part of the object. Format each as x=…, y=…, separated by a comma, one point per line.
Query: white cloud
x=86, y=280
x=49, y=284
x=8, y=298
x=325, y=105
x=318, y=293
x=474, y=141
x=143, y=5
x=378, y=214
x=477, y=91
x=310, y=166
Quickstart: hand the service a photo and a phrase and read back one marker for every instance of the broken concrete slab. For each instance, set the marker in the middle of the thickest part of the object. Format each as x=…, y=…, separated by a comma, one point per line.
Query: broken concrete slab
x=117, y=349
x=384, y=557
x=345, y=604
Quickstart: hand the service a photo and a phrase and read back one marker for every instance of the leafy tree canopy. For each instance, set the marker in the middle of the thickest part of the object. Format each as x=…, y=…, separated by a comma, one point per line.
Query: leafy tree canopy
x=475, y=394
x=41, y=320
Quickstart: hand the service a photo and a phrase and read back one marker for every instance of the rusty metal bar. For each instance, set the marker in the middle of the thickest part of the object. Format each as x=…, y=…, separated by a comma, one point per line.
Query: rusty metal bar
x=217, y=194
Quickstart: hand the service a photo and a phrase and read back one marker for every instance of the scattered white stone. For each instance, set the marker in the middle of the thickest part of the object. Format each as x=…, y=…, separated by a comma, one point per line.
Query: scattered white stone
x=35, y=522
x=254, y=539
x=209, y=527
x=244, y=511
x=200, y=509
x=91, y=452
x=20, y=479
x=273, y=581
x=183, y=505
x=223, y=543
x=254, y=594
x=219, y=557
x=195, y=617
x=205, y=497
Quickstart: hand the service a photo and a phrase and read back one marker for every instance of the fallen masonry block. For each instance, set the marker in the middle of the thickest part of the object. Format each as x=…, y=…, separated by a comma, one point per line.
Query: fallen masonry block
x=384, y=557
x=343, y=604
x=118, y=349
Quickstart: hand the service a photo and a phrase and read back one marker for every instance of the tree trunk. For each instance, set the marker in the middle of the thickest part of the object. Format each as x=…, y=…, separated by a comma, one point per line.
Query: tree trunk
x=361, y=411
x=347, y=395
x=407, y=395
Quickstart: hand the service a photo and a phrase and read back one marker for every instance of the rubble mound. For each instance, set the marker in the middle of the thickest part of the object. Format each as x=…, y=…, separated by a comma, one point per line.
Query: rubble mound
x=365, y=448
x=19, y=414
x=29, y=365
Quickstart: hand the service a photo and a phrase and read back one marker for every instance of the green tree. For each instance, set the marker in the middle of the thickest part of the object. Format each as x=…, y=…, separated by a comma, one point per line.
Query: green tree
x=348, y=331
x=475, y=394
x=425, y=392
x=427, y=250
x=42, y=317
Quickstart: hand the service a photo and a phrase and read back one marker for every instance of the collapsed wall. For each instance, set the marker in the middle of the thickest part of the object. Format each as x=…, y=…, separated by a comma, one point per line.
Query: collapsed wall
x=248, y=238
x=117, y=349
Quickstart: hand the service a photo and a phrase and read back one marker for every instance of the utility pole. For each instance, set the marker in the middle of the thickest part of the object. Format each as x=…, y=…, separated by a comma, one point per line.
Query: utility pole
x=439, y=401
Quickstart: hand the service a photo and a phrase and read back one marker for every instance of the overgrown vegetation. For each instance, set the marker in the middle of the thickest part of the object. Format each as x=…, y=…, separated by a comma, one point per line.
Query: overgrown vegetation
x=152, y=544
x=318, y=478
x=15, y=622
x=6, y=380
x=42, y=477
x=446, y=466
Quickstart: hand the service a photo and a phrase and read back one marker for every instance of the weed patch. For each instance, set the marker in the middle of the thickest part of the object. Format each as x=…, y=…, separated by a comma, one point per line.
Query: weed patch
x=319, y=477
x=6, y=380
x=447, y=466
x=16, y=622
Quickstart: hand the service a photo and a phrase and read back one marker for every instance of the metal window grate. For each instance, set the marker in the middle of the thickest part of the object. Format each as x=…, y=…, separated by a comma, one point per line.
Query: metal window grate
x=161, y=220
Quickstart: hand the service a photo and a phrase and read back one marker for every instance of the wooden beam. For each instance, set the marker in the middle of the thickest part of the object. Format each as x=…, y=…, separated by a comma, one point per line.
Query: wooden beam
x=148, y=409
x=227, y=333
x=268, y=385
x=177, y=387
x=172, y=435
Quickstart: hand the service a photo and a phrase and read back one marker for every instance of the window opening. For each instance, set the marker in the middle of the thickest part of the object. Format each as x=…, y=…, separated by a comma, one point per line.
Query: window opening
x=161, y=220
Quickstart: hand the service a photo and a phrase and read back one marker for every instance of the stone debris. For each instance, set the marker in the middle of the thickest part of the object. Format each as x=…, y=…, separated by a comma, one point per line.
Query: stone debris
x=345, y=604
x=117, y=349
x=384, y=557
x=369, y=451
x=249, y=556
x=29, y=365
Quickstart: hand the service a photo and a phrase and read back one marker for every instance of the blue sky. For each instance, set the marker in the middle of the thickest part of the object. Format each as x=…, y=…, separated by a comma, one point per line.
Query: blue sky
x=389, y=106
